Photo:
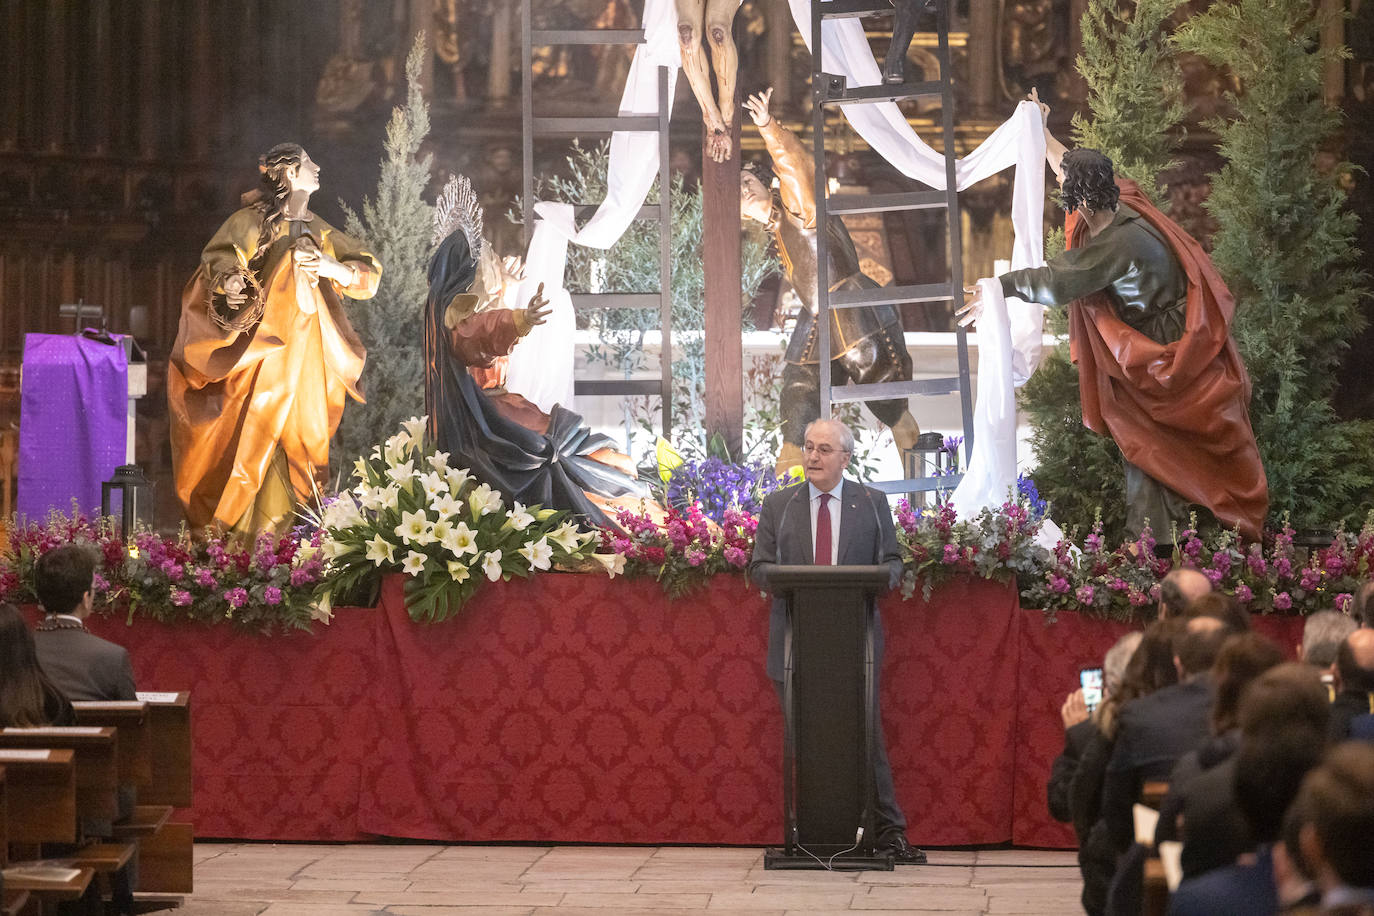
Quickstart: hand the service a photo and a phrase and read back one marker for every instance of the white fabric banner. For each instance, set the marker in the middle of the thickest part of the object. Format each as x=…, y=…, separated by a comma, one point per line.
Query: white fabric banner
x=541, y=366
x=1010, y=332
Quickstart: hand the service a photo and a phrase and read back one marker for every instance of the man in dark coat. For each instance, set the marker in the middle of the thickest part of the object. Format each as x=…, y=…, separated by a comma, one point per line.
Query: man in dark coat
x=81, y=664
x=798, y=526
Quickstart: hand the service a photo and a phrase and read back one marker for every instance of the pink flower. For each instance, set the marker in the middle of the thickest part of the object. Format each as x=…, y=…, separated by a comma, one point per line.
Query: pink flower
x=205, y=579
x=736, y=557
x=181, y=597
x=1283, y=601
x=300, y=576
x=1343, y=602
x=951, y=554
x=655, y=555
x=236, y=597
x=1243, y=594
x=271, y=595
x=1059, y=585
x=1084, y=595
x=1283, y=568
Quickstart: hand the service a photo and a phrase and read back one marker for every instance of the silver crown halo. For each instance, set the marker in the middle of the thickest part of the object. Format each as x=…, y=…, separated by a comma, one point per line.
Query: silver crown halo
x=457, y=208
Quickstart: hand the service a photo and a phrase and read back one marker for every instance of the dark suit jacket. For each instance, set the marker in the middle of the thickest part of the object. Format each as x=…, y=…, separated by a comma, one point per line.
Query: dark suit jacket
x=1153, y=732
x=783, y=538
x=1065, y=768
x=84, y=666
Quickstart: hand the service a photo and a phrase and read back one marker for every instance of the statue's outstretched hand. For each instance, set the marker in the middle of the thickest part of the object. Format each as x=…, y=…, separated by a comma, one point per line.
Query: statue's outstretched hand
x=1044, y=109
x=757, y=106
x=537, y=312
x=973, y=307
x=234, y=286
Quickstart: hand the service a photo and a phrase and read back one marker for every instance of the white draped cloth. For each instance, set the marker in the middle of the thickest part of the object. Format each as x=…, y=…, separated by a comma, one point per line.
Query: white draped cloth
x=541, y=367
x=1010, y=332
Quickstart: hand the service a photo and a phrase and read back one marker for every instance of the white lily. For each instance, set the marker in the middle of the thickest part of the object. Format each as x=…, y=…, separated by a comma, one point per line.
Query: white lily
x=519, y=519
x=414, y=563
x=395, y=448
x=447, y=505
x=415, y=528
x=434, y=485
x=484, y=500
x=415, y=428
x=439, y=461
x=461, y=540
x=614, y=563
x=491, y=565
x=380, y=550
x=457, y=479
x=567, y=536
x=401, y=473
x=458, y=571
x=538, y=554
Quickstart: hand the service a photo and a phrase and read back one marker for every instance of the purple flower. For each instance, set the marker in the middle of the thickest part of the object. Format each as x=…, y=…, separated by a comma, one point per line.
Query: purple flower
x=1243, y=593
x=236, y=597
x=1084, y=595
x=1059, y=585
x=271, y=595
x=951, y=554
x=1283, y=568
x=1283, y=601
x=205, y=579
x=1343, y=602
x=181, y=597
x=301, y=576
x=99, y=583
x=695, y=557
x=1310, y=578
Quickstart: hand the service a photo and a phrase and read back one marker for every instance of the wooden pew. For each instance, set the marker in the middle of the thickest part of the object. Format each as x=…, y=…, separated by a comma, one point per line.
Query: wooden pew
x=165, y=857
x=40, y=795
x=169, y=725
x=130, y=720
x=97, y=762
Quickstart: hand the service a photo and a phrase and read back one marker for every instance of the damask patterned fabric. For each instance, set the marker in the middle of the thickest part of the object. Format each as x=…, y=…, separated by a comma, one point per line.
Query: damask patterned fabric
x=570, y=708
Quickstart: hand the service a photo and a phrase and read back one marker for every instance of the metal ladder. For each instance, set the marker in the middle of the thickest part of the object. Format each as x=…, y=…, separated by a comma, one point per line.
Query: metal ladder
x=828, y=89
x=537, y=127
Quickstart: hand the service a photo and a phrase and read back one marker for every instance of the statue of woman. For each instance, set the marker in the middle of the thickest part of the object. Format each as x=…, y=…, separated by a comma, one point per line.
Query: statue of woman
x=551, y=459
x=264, y=355
x=716, y=16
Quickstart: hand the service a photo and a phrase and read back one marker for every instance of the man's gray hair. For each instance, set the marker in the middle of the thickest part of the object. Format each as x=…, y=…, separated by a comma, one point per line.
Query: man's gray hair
x=846, y=437
x=1118, y=657
x=1322, y=635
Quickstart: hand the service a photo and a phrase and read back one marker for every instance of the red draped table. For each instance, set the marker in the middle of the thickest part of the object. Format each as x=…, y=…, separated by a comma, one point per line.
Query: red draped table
x=572, y=708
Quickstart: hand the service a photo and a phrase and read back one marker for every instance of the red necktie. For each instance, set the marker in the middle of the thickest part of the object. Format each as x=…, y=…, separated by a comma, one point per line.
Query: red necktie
x=823, y=533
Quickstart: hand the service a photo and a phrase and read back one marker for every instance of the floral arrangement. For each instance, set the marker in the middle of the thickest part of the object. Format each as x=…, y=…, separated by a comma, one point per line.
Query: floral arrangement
x=257, y=584
x=1117, y=583
x=997, y=544
x=685, y=548
x=718, y=486
x=410, y=512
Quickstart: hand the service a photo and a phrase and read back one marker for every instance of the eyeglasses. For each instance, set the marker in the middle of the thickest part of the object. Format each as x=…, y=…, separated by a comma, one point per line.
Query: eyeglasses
x=825, y=451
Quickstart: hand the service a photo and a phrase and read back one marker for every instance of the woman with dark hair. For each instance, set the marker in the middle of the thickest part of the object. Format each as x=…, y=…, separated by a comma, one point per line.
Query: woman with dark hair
x=1151, y=668
x=28, y=699
x=551, y=459
x=265, y=357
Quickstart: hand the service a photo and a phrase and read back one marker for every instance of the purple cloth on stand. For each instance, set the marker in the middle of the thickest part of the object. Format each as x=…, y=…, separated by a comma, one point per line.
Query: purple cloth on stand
x=73, y=422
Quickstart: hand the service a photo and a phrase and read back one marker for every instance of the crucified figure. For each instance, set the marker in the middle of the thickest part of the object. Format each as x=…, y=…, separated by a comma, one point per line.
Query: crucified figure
x=715, y=16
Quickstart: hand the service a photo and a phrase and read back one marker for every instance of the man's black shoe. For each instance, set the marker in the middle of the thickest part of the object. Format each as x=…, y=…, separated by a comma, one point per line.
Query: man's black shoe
x=903, y=853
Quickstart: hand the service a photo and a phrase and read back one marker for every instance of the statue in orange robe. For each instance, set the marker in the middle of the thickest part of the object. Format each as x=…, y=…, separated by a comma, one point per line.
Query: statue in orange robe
x=264, y=355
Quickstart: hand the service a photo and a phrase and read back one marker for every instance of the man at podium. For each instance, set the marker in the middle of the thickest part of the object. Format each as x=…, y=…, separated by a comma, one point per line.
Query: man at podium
x=827, y=521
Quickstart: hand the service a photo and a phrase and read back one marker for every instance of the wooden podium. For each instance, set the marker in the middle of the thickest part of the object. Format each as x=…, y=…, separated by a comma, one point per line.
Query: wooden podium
x=829, y=702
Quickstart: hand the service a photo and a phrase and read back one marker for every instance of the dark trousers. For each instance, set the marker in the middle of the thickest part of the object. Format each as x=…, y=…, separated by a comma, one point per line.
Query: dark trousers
x=888, y=816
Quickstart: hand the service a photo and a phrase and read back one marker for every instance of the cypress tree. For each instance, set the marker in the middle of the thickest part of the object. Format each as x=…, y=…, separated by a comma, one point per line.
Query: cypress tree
x=1135, y=99
x=397, y=227
x=1286, y=247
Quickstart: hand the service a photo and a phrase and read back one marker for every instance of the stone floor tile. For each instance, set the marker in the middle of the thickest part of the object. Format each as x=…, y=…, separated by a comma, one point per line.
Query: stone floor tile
x=1027, y=857
x=785, y=898
x=459, y=870
x=763, y=875
x=1038, y=874
x=637, y=902
x=748, y=854
x=1068, y=903
x=949, y=857
x=321, y=909
x=459, y=911
x=490, y=897
x=597, y=911
x=885, y=913
x=192, y=907
x=932, y=875
x=922, y=897
x=685, y=885
x=374, y=883
x=206, y=890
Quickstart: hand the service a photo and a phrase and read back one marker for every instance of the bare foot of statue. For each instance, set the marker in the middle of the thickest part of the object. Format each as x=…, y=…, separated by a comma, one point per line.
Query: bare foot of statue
x=720, y=145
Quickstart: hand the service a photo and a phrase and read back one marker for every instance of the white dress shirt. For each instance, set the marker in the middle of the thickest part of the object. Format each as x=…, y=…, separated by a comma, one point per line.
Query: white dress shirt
x=834, y=508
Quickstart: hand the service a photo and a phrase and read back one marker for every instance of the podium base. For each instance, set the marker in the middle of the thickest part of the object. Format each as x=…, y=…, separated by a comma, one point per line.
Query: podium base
x=775, y=858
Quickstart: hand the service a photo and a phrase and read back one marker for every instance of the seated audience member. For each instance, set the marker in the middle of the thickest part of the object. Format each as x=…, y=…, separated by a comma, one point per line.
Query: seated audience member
x=1354, y=685
x=1242, y=659
x=81, y=664
x=1220, y=606
x=1079, y=728
x=1283, y=719
x=1336, y=803
x=1294, y=882
x=1180, y=588
x=1362, y=605
x=28, y=698
x=1322, y=635
x=1151, y=668
x=1155, y=731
